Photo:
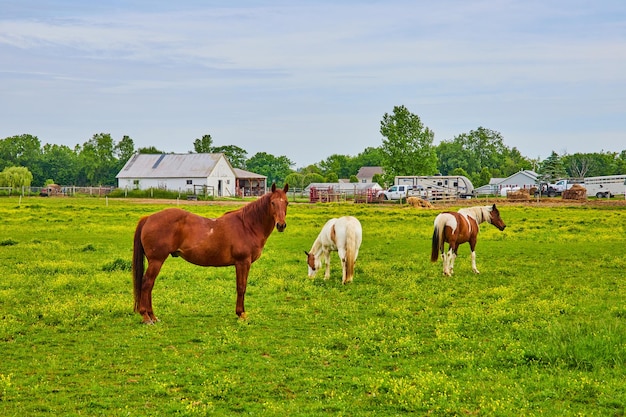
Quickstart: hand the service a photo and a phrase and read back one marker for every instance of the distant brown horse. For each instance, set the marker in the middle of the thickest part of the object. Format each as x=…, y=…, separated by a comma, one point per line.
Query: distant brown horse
x=236, y=238
x=457, y=228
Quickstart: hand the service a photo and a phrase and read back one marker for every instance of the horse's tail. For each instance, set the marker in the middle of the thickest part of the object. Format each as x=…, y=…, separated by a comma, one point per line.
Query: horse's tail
x=437, y=244
x=138, y=263
x=351, y=250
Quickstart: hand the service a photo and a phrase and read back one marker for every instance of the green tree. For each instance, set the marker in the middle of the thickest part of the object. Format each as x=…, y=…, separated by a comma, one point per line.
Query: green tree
x=295, y=181
x=479, y=149
x=311, y=178
x=97, y=161
x=513, y=161
x=332, y=177
x=407, y=145
x=379, y=179
x=552, y=168
x=275, y=168
x=580, y=165
x=60, y=163
x=235, y=155
x=150, y=150
x=124, y=150
x=482, y=178
x=620, y=163
x=16, y=177
x=310, y=169
x=203, y=144
x=22, y=150
x=338, y=164
x=370, y=157
x=451, y=156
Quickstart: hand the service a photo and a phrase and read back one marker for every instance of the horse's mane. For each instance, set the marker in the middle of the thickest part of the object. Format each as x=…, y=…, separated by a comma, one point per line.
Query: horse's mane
x=479, y=213
x=254, y=211
x=318, y=245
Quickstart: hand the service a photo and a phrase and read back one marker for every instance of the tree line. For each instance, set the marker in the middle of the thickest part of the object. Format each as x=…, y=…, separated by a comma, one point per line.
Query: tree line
x=407, y=148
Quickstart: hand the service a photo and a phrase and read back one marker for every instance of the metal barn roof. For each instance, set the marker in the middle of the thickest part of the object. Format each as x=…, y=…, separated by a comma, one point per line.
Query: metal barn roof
x=192, y=165
x=240, y=173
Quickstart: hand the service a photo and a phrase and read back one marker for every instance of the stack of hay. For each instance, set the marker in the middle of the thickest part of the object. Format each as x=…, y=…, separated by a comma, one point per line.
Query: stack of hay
x=418, y=202
x=577, y=192
x=522, y=194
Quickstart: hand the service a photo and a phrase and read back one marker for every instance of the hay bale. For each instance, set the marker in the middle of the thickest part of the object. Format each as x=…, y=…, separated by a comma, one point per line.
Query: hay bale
x=522, y=194
x=577, y=192
x=418, y=202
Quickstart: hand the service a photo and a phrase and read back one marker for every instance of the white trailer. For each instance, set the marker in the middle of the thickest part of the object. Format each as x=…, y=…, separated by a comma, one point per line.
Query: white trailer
x=438, y=186
x=605, y=186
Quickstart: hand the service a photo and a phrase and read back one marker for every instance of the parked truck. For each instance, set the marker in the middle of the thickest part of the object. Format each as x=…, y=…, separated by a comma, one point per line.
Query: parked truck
x=556, y=189
x=395, y=192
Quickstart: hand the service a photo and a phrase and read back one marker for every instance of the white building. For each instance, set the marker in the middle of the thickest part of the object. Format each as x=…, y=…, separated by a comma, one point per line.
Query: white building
x=190, y=173
x=521, y=179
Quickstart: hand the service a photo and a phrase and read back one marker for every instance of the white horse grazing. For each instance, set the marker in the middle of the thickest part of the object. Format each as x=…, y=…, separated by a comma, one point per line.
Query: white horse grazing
x=342, y=235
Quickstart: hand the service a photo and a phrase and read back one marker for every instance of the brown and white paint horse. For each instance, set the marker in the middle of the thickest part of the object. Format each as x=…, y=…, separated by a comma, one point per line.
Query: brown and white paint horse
x=459, y=227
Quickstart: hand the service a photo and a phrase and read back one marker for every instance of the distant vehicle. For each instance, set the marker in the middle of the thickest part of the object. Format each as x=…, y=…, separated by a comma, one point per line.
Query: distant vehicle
x=395, y=192
x=605, y=186
x=556, y=189
x=434, y=187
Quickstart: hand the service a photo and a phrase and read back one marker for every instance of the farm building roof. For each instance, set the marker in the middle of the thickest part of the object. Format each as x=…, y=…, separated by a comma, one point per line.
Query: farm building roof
x=240, y=173
x=369, y=172
x=192, y=165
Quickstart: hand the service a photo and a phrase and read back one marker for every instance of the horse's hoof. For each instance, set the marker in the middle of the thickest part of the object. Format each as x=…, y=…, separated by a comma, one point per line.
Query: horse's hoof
x=243, y=316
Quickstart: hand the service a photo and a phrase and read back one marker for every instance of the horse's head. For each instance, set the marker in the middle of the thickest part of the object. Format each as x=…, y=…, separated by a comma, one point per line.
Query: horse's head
x=278, y=206
x=314, y=263
x=495, y=218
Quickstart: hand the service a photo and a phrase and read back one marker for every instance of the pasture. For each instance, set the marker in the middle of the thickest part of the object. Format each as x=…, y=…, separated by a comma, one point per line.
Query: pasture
x=541, y=331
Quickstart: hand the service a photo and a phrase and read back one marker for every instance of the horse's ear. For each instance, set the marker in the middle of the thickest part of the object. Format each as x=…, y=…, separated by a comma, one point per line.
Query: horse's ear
x=273, y=186
x=494, y=207
x=286, y=188
x=306, y=253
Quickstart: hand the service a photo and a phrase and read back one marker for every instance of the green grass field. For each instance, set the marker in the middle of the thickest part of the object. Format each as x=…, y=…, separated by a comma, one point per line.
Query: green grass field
x=541, y=331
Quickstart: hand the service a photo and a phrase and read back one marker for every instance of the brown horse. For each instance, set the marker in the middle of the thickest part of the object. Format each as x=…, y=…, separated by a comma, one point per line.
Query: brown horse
x=461, y=227
x=236, y=238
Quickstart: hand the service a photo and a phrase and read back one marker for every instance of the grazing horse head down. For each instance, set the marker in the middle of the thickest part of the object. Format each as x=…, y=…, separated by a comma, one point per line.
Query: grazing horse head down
x=342, y=235
x=459, y=227
x=236, y=238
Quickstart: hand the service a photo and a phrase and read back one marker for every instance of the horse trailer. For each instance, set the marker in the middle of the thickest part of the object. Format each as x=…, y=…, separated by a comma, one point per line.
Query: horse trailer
x=437, y=187
x=605, y=186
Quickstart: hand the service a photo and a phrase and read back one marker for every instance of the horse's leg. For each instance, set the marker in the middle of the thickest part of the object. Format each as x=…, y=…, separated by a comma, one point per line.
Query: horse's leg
x=473, y=248
x=342, y=258
x=327, y=260
x=451, y=259
x=448, y=259
x=145, y=302
x=242, y=269
x=448, y=262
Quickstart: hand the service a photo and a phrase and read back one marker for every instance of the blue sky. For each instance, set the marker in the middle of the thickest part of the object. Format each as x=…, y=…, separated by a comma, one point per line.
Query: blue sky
x=309, y=79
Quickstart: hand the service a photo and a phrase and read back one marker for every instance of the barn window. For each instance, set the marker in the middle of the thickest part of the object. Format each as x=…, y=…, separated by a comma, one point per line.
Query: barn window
x=189, y=182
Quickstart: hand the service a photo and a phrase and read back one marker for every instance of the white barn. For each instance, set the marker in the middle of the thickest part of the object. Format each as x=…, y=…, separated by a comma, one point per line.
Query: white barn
x=522, y=179
x=188, y=173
